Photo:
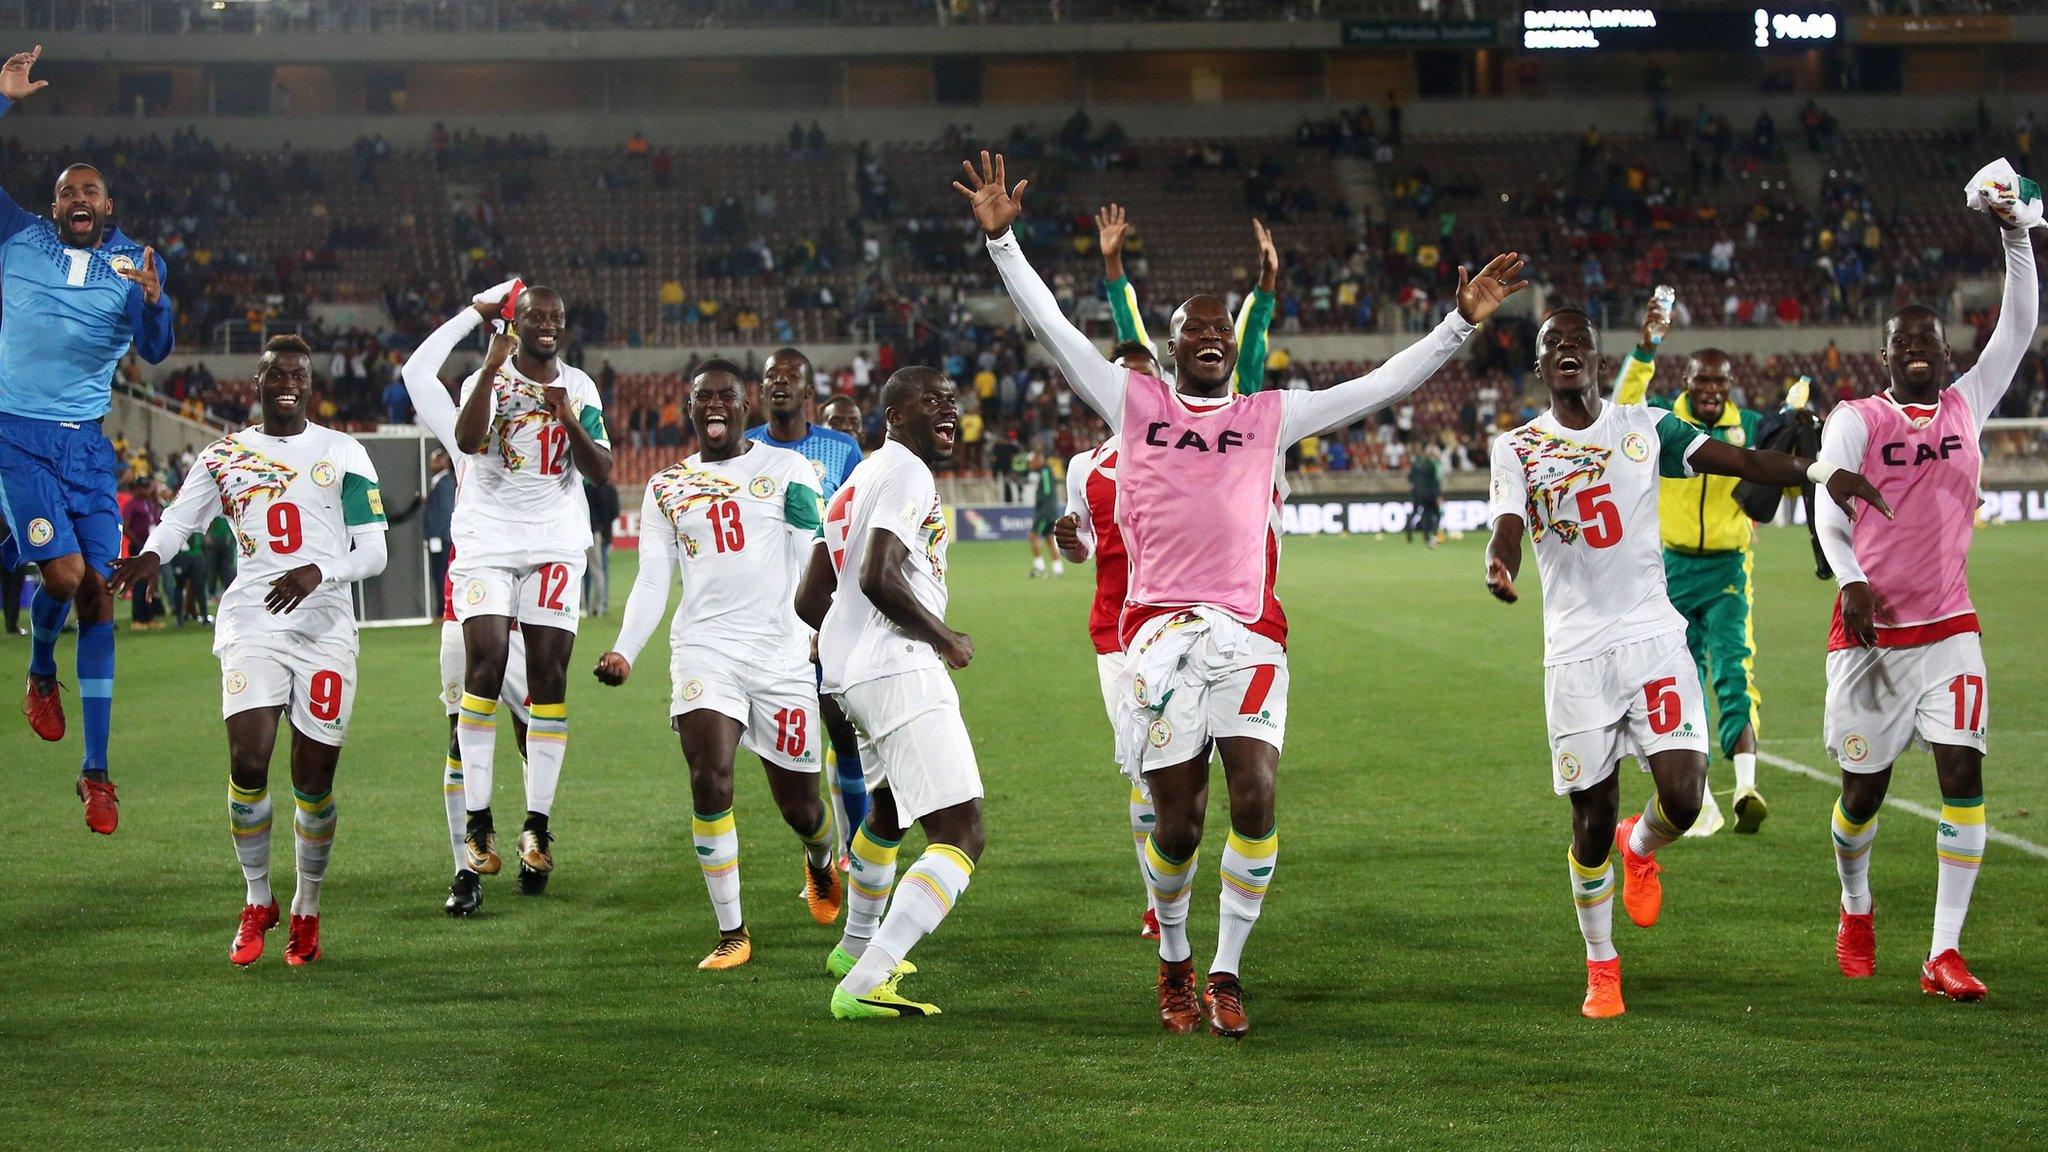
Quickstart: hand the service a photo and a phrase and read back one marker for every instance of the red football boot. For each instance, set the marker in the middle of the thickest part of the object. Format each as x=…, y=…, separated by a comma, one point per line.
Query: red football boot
x=102, y=807
x=1148, y=928
x=302, y=946
x=44, y=709
x=248, y=946
x=1947, y=975
x=1856, y=945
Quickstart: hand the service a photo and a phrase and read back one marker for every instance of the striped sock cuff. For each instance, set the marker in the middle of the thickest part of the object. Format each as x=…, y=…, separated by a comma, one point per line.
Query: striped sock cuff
x=1847, y=826
x=1247, y=866
x=1660, y=823
x=246, y=795
x=1138, y=796
x=478, y=712
x=1590, y=886
x=1169, y=877
x=1967, y=809
x=824, y=830
x=248, y=810
x=1959, y=838
x=872, y=849
x=451, y=774
x=716, y=824
x=948, y=852
x=314, y=819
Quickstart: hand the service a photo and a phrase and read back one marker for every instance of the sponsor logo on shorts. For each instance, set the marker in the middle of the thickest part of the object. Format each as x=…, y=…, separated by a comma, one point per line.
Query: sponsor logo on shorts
x=1855, y=748
x=762, y=487
x=1568, y=767
x=1636, y=446
x=40, y=531
x=1737, y=436
x=1161, y=733
x=236, y=683
x=121, y=262
x=323, y=474
x=1264, y=719
x=692, y=689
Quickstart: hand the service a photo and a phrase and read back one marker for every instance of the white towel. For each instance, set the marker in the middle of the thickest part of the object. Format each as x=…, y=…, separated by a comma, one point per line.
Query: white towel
x=1158, y=666
x=2000, y=190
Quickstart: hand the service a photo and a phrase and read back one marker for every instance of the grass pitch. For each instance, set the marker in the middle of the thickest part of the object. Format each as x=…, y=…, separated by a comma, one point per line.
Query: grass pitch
x=1414, y=983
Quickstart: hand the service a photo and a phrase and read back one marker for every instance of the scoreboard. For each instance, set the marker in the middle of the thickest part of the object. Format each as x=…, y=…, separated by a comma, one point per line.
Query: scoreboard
x=1649, y=28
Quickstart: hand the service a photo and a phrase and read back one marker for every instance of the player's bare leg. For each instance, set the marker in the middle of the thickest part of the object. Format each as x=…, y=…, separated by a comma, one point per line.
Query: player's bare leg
x=1180, y=801
x=709, y=741
x=929, y=889
x=313, y=819
x=1681, y=779
x=547, y=739
x=485, y=642
x=1595, y=811
x=252, y=736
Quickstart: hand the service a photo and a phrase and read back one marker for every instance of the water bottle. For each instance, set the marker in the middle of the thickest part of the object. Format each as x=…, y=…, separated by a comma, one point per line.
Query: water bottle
x=1664, y=298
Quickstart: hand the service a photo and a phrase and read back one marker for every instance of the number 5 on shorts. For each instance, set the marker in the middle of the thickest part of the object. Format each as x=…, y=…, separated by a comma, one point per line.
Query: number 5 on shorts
x=1661, y=699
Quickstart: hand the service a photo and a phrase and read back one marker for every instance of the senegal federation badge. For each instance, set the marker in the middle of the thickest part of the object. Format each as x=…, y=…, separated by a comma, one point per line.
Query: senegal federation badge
x=1636, y=447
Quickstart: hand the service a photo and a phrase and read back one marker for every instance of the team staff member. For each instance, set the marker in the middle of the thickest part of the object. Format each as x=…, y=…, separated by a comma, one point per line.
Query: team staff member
x=1708, y=560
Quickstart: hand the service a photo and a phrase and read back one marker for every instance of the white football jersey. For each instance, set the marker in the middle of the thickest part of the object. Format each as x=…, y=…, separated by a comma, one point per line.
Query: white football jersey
x=1589, y=497
x=891, y=490
x=292, y=501
x=522, y=498
x=742, y=530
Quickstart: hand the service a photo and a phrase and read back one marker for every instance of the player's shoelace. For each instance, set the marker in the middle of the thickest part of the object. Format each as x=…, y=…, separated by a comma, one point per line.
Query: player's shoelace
x=1179, y=996
x=253, y=919
x=729, y=945
x=1228, y=998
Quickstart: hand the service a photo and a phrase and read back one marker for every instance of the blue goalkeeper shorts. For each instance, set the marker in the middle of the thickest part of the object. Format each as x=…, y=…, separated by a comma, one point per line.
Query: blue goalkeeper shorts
x=57, y=490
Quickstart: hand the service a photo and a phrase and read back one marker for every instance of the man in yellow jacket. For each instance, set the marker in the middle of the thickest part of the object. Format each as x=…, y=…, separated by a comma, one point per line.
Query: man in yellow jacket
x=1708, y=560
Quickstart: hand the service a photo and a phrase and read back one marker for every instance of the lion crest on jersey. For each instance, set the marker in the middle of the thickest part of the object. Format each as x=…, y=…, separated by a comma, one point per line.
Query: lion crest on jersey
x=1556, y=468
x=244, y=476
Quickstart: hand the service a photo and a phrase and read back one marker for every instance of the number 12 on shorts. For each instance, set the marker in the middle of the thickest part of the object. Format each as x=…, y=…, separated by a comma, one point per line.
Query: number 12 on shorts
x=554, y=582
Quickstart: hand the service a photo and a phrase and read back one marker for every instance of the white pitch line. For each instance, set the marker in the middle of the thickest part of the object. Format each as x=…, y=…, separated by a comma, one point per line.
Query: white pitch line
x=1920, y=810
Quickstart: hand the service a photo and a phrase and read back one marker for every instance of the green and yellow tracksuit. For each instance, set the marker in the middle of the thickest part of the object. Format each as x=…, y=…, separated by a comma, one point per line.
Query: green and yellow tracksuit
x=1708, y=559
x=1254, y=316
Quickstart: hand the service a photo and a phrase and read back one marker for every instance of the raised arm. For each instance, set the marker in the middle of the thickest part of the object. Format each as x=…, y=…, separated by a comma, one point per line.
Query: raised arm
x=473, y=419
x=422, y=370
x=1255, y=316
x=1632, y=383
x=2019, y=312
x=1098, y=383
x=16, y=85
x=149, y=309
x=1312, y=413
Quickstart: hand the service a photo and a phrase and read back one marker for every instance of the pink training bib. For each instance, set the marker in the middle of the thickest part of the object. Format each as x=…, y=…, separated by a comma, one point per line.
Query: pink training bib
x=1917, y=562
x=1195, y=496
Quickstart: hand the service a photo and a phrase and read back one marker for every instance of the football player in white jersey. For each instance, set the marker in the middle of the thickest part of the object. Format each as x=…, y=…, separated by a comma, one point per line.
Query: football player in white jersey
x=307, y=513
x=885, y=648
x=532, y=429
x=1582, y=480
x=737, y=522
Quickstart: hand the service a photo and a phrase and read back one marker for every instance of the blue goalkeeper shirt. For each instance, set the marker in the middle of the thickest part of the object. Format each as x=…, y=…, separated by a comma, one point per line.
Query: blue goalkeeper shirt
x=69, y=317
x=832, y=454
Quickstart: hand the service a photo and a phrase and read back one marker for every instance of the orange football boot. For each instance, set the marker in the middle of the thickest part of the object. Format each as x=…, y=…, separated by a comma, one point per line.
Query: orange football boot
x=1603, y=990
x=1642, y=893
x=823, y=892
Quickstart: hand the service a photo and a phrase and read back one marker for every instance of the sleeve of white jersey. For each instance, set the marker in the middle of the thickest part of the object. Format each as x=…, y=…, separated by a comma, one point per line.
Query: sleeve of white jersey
x=1098, y=383
x=422, y=376
x=1313, y=413
x=1508, y=494
x=900, y=498
x=194, y=507
x=1843, y=441
x=1078, y=470
x=1985, y=384
x=648, y=601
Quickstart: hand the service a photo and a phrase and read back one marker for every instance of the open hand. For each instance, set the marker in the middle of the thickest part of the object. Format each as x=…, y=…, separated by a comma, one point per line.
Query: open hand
x=1479, y=296
x=137, y=569
x=14, y=81
x=1845, y=486
x=1498, y=581
x=1110, y=229
x=291, y=589
x=612, y=669
x=995, y=209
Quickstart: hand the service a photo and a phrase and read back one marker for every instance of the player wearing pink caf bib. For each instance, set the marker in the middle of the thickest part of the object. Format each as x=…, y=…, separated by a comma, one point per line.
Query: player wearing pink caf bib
x=738, y=522
x=1203, y=631
x=1905, y=662
x=1581, y=481
x=308, y=515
